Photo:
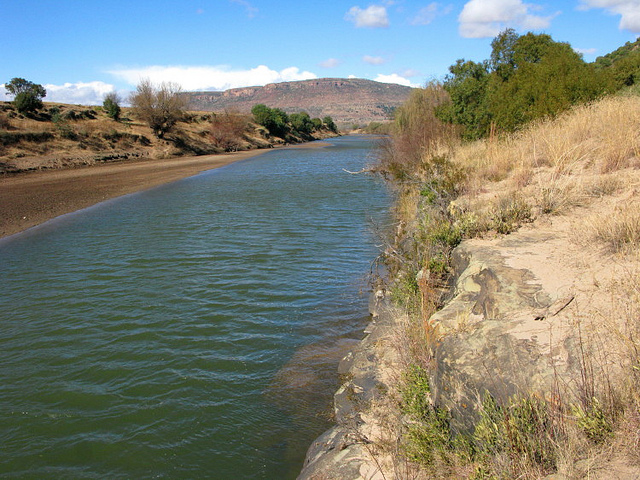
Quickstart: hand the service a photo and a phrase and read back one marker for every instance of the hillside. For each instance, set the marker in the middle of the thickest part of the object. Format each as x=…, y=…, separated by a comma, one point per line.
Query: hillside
x=62, y=135
x=347, y=101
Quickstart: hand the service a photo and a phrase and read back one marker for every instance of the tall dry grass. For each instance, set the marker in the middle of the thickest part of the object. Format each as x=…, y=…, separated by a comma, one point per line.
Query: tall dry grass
x=601, y=137
x=548, y=168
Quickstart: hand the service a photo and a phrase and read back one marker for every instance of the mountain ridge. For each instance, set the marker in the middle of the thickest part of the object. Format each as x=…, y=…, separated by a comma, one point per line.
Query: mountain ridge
x=346, y=100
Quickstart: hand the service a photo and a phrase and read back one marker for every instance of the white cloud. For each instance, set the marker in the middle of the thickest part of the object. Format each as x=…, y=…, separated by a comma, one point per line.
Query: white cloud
x=89, y=93
x=394, y=78
x=429, y=13
x=487, y=18
x=629, y=11
x=373, y=60
x=212, y=78
x=374, y=16
x=330, y=63
x=82, y=93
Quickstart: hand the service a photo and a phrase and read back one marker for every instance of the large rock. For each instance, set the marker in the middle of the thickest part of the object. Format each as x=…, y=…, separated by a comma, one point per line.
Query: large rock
x=504, y=332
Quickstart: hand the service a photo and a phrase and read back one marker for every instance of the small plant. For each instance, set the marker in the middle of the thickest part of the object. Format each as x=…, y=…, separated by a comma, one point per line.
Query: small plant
x=619, y=231
x=428, y=435
x=593, y=421
x=111, y=105
x=5, y=123
x=510, y=212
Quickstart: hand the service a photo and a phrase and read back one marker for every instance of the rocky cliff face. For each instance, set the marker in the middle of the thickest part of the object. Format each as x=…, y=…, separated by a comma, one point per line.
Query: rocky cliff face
x=347, y=101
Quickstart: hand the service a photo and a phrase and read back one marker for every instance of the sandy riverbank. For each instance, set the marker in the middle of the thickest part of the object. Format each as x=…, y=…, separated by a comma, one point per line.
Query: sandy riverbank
x=29, y=199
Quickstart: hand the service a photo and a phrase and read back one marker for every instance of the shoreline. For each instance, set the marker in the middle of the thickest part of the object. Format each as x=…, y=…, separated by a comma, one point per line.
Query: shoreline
x=31, y=198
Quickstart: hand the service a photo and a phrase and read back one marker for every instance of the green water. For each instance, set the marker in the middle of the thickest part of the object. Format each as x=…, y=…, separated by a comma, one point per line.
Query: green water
x=189, y=331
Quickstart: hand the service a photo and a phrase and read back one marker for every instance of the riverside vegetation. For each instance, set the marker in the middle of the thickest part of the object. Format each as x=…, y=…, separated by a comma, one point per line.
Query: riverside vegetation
x=532, y=142
x=36, y=135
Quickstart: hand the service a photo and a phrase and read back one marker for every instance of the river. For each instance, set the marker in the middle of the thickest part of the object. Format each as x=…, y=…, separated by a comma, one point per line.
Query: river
x=191, y=330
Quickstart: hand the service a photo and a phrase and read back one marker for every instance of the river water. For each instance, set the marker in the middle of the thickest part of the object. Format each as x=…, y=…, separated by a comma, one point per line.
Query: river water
x=191, y=330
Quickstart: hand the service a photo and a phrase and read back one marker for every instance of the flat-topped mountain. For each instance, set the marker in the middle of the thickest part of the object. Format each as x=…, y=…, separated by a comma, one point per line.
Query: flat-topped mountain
x=347, y=101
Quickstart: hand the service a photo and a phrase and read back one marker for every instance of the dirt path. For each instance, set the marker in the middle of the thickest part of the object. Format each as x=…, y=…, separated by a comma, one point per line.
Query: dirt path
x=30, y=199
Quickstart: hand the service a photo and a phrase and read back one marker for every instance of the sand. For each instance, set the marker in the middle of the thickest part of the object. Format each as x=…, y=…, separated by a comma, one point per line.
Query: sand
x=29, y=199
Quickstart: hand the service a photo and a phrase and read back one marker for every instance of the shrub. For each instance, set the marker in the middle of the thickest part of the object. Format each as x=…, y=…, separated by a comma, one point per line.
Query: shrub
x=159, y=106
x=28, y=95
x=227, y=130
x=111, y=105
x=273, y=119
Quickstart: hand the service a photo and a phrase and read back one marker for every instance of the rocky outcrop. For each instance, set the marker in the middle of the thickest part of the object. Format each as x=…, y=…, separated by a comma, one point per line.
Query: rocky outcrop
x=520, y=319
x=348, y=450
x=347, y=101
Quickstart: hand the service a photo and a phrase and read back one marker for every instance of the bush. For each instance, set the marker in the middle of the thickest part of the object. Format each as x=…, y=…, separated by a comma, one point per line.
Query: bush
x=28, y=95
x=527, y=77
x=159, y=106
x=227, y=130
x=273, y=119
x=111, y=105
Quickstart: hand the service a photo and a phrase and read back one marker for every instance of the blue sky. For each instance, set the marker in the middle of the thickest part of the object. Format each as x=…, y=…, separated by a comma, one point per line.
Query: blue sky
x=82, y=49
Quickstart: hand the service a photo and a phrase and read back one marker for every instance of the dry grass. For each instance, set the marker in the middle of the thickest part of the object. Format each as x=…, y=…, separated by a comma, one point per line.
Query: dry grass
x=619, y=231
x=587, y=155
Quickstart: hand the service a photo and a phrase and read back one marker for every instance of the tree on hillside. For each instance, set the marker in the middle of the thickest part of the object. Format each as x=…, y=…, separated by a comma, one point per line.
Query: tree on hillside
x=527, y=77
x=328, y=122
x=227, y=130
x=467, y=87
x=301, y=122
x=159, y=106
x=273, y=119
x=111, y=105
x=27, y=95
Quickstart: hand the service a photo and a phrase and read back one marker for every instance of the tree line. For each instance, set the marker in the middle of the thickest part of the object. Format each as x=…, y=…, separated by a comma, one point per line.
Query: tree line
x=281, y=124
x=527, y=77
x=162, y=106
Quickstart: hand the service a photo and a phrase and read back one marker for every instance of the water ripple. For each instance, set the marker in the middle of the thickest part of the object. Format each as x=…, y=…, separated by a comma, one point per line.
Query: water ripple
x=188, y=331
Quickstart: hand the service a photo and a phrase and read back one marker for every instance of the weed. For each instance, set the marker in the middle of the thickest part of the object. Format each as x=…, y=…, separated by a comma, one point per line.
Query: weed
x=593, y=421
x=510, y=212
x=619, y=231
x=428, y=430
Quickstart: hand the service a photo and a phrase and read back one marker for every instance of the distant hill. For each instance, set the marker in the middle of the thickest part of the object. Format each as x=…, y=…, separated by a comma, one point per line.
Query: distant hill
x=347, y=101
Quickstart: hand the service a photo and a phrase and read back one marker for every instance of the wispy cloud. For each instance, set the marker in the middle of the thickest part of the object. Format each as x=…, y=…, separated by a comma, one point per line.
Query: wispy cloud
x=429, y=13
x=373, y=60
x=249, y=8
x=629, y=11
x=487, y=18
x=211, y=77
x=330, y=63
x=374, y=16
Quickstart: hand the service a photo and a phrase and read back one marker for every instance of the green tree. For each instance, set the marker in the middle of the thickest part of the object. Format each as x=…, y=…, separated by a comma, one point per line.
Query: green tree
x=111, y=105
x=159, y=106
x=301, y=122
x=273, y=119
x=27, y=95
x=328, y=122
x=317, y=124
x=467, y=87
x=527, y=77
